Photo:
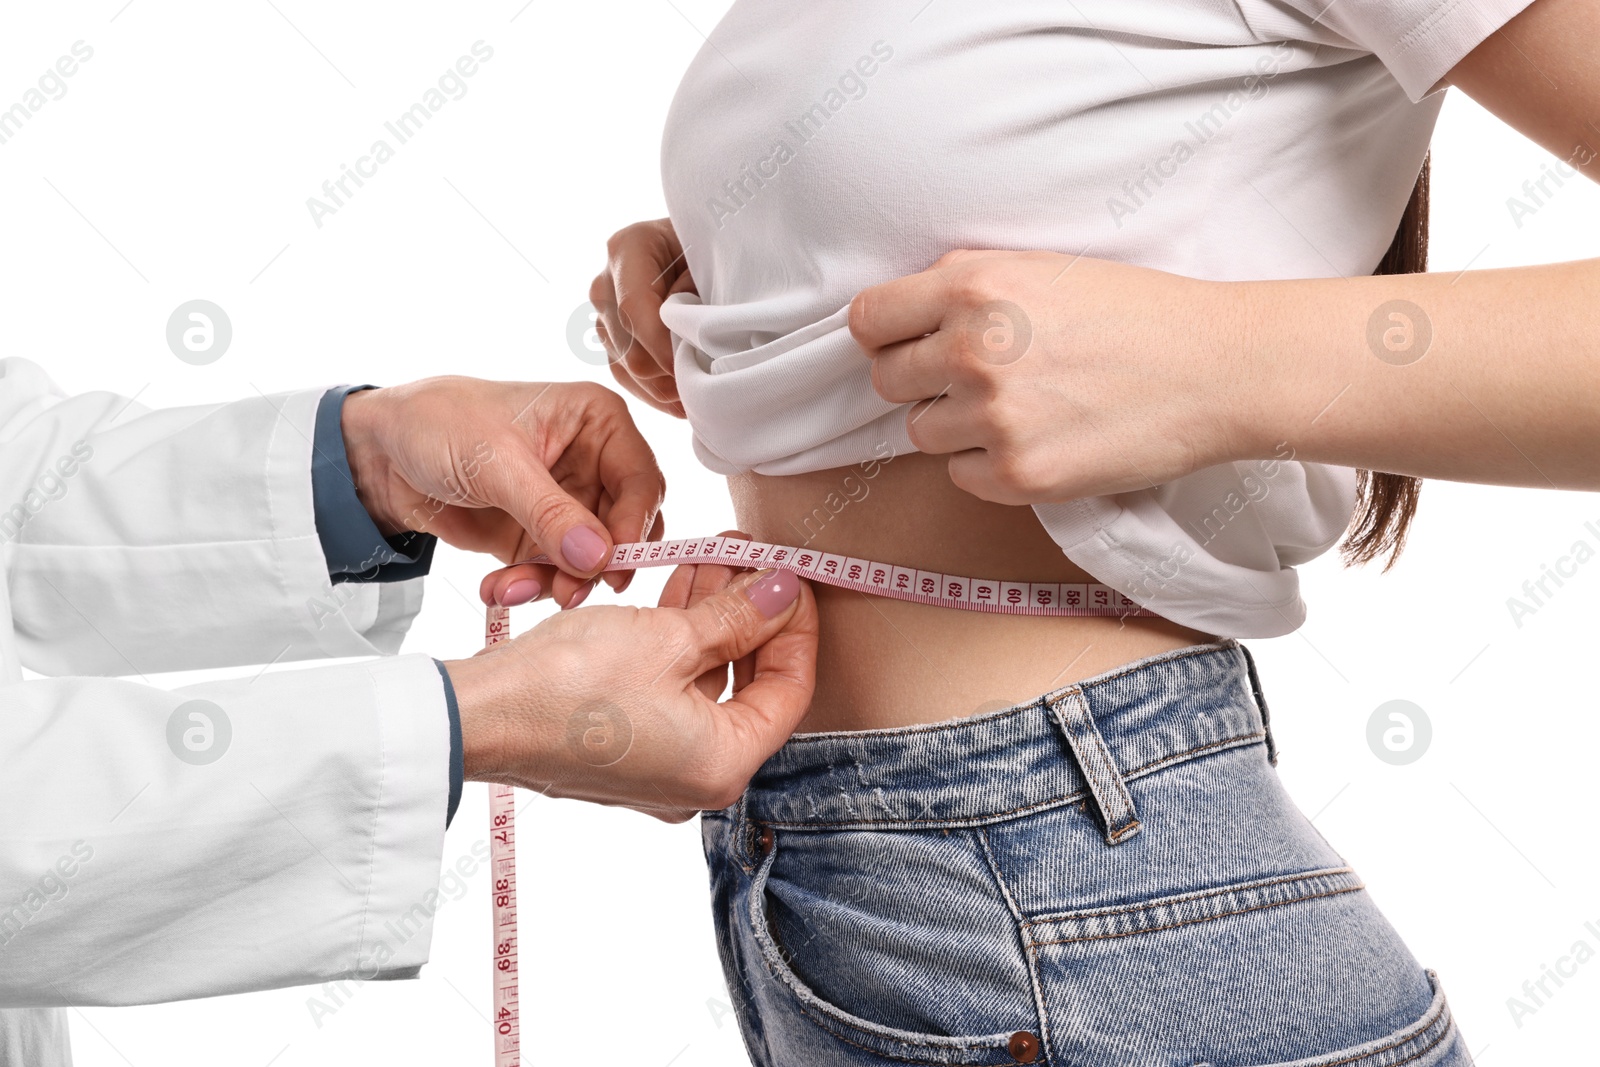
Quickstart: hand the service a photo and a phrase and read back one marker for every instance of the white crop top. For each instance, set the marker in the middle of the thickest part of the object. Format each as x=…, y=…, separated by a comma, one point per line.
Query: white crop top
x=815, y=148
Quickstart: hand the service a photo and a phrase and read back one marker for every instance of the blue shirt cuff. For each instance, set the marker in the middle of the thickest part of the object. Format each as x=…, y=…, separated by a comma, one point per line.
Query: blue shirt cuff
x=457, y=767
x=354, y=547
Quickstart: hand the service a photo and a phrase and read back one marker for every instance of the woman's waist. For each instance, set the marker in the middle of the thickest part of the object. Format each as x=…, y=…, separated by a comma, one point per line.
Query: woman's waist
x=901, y=509
x=884, y=662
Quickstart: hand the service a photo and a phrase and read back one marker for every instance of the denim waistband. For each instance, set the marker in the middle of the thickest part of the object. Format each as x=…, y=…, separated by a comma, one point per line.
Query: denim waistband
x=1081, y=741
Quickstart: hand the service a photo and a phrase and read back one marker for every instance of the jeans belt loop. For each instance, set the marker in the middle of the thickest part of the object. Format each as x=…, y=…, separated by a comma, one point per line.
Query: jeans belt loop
x=1112, y=803
x=1261, y=703
x=740, y=836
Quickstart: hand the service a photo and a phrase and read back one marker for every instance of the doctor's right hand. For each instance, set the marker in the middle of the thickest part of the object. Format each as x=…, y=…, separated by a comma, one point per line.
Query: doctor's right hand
x=513, y=469
x=618, y=705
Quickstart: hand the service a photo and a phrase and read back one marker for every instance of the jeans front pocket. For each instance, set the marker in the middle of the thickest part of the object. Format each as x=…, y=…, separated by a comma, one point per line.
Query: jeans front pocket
x=1296, y=970
x=898, y=945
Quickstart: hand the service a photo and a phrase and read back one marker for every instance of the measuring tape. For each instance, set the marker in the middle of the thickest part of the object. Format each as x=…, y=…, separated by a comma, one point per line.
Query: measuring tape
x=846, y=572
x=881, y=579
x=503, y=884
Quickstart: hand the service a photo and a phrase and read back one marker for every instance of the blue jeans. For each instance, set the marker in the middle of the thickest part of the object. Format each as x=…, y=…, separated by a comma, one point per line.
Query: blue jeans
x=1109, y=876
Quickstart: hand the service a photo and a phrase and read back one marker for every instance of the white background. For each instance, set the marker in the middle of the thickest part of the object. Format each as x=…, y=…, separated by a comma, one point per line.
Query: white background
x=178, y=165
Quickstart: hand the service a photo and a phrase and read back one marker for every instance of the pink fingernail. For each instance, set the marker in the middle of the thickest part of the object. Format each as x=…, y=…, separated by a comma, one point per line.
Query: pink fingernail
x=520, y=592
x=580, y=596
x=583, y=548
x=773, y=591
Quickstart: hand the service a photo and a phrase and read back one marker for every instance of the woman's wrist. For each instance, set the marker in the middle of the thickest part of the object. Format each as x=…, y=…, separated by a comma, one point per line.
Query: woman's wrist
x=1255, y=390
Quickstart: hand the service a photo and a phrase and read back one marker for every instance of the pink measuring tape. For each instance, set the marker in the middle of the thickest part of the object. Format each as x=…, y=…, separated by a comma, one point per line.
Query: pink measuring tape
x=846, y=572
x=881, y=579
x=503, y=885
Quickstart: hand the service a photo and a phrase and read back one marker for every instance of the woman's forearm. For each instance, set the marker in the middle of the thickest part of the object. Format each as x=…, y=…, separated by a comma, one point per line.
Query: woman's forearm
x=1481, y=376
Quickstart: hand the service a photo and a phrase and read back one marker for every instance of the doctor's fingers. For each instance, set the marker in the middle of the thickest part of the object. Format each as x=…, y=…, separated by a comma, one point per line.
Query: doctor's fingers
x=774, y=694
x=620, y=580
x=592, y=446
x=502, y=586
x=520, y=583
x=632, y=486
x=687, y=586
x=562, y=527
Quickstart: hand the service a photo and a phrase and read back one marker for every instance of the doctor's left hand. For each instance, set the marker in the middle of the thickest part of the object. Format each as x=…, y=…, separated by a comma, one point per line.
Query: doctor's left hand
x=619, y=705
x=508, y=468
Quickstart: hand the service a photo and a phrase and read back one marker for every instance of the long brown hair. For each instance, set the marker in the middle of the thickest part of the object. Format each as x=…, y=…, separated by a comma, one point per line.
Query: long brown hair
x=1386, y=503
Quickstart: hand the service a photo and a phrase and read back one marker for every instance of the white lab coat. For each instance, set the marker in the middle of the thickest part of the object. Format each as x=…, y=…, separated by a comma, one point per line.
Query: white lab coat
x=151, y=541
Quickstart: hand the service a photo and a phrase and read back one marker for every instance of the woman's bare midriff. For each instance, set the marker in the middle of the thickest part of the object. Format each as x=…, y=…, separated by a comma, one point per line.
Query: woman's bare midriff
x=885, y=662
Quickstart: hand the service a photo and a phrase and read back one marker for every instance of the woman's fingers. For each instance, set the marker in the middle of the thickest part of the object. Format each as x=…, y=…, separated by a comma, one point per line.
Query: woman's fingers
x=627, y=357
x=899, y=310
x=642, y=273
x=947, y=423
x=912, y=370
x=644, y=264
x=614, y=334
x=662, y=394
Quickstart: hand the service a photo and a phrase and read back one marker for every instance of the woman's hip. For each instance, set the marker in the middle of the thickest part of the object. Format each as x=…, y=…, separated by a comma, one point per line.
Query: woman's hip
x=1109, y=874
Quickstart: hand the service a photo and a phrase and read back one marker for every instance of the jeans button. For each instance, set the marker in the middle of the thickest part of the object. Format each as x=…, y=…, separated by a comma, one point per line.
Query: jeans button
x=1023, y=1046
x=764, y=840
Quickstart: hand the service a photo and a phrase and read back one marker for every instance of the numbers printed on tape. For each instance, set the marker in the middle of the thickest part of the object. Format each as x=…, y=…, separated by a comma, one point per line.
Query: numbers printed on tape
x=883, y=579
x=503, y=889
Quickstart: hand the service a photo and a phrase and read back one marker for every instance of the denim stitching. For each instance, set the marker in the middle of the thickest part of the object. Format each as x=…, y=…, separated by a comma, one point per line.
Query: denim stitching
x=782, y=973
x=1184, y=898
x=1419, y=1030
x=1201, y=918
x=827, y=1023
x=1026, y=809
x=1183, y=919
x=1005, y=713
x=1417, y=1055
x=1028, y=956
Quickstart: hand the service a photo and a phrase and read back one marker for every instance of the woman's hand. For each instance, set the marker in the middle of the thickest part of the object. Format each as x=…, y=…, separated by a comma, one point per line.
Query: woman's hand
x=1048, y=377
x=644, y=264
x=618, y=705
x=508, y=468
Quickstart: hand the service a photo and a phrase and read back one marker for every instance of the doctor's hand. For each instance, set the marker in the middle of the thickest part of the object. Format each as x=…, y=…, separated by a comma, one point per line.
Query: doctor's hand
x=644, y=265
x=508, y=468
x=618, y=705
x=1047, y=377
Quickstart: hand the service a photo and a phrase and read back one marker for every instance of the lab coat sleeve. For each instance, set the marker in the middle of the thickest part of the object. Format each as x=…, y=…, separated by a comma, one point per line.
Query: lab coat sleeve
x=353, y=546
x=137, y=541
x=219, y=838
